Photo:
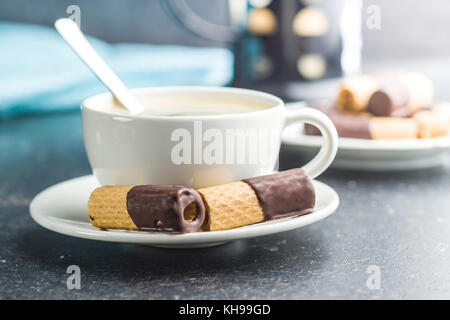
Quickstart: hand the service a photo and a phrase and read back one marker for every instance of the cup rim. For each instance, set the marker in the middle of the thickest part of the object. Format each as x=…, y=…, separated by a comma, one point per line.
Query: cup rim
x=277, y=103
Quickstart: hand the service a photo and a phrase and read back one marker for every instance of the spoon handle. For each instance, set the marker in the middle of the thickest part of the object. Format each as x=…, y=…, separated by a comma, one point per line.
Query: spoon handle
x=72, y=34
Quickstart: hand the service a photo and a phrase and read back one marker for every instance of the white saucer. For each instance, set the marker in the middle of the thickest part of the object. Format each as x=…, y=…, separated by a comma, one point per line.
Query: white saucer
x=63, y=208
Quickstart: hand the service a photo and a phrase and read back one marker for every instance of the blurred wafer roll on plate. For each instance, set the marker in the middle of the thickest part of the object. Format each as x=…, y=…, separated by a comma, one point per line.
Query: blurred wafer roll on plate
x=443, y=110
x=390, y=99
x=386, y=95
x=431, y=124
x=354, y=93
x=400, y=95
x=364, y=126
x=420, y=90
x=385, y=128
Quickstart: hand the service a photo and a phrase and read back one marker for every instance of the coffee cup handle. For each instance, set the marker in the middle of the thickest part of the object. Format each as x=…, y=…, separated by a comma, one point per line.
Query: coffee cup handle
x=327, y=152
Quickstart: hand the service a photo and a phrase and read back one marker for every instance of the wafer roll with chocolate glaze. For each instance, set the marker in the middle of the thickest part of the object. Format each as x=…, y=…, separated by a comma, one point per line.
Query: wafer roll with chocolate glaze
x=279, y=195
x=364, y=126
x=149, y=208
x=401, y=95
x=354, y=93
x=390, y=99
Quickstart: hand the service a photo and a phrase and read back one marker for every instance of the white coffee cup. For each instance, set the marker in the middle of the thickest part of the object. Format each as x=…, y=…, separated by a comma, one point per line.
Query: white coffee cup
x=128, y=149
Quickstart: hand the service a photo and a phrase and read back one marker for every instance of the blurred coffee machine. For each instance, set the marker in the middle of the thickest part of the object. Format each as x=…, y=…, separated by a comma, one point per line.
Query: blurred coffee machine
x=284, y=41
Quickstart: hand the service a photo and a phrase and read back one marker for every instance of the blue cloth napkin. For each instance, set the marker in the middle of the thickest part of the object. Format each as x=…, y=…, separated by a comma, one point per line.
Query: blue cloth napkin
x=39, y=73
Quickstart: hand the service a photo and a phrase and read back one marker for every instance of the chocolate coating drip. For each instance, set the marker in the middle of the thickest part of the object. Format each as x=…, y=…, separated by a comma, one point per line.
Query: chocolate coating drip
x=161, y=208
x=284, y=194
x=348, y=124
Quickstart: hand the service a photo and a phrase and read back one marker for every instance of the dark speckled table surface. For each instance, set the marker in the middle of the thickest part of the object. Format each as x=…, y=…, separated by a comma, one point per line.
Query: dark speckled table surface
x=394, y=223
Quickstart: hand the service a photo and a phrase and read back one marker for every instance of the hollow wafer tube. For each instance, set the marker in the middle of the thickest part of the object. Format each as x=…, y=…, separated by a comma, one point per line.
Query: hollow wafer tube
x=149, y=208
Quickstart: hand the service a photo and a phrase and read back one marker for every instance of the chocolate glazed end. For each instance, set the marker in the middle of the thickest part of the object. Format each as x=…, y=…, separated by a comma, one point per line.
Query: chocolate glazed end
x=186, y=198
x=165, y=208
x=284, y=194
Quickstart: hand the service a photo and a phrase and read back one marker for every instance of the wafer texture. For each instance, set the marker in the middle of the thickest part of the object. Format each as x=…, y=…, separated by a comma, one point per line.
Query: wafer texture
x=230, y=205
x=107, y=208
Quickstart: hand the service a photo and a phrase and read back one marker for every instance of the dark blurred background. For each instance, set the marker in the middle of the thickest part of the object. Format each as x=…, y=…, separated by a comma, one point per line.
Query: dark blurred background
x=118, y=20
x=409, y=29
x=278, y=46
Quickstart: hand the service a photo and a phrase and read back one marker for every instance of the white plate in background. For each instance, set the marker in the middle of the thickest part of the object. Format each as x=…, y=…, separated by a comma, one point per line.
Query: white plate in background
x=63, y=208
x=366, y=154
